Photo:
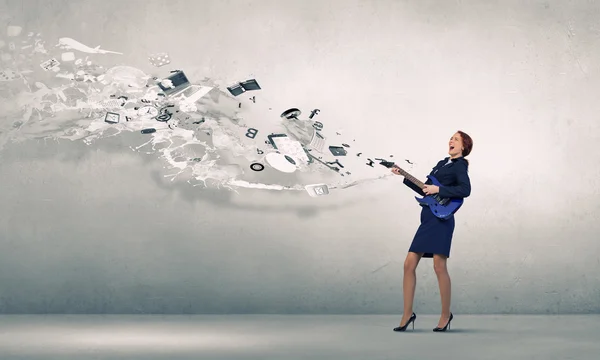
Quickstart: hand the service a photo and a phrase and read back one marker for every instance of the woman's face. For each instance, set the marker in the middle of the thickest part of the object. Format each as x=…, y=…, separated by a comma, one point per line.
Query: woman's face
x=455, y=146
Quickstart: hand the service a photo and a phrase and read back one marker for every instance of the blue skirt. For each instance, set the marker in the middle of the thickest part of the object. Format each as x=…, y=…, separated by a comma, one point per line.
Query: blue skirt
x=434, y=235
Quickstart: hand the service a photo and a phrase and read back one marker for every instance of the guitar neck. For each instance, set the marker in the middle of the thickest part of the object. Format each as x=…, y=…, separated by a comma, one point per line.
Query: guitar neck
x=411, y=178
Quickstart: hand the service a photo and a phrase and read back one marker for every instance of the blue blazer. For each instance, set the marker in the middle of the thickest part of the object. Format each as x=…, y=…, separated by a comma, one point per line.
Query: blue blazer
x=454, y=177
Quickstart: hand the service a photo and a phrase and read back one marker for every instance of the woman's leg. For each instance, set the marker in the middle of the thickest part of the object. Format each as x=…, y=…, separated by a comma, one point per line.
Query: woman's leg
x=409, y=284
x=441, y=271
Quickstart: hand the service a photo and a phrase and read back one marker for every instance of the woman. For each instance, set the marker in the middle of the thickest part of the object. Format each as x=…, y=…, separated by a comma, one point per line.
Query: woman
x=434, y=236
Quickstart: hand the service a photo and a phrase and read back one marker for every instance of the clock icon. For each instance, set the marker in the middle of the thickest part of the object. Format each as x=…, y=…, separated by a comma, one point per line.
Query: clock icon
x=147, y=111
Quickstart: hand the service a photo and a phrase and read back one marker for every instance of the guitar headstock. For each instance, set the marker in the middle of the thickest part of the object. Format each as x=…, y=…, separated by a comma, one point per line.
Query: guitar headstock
x=388, y=164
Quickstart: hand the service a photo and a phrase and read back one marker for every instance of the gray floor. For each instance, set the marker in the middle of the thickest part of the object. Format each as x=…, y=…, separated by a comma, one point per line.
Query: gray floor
x=296, y=337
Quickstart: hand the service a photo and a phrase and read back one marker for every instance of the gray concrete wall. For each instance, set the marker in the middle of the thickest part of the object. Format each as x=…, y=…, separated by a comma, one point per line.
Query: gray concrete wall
x=98, y=229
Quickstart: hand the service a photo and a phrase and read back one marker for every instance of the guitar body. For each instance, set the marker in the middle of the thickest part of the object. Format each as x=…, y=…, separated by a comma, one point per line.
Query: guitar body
x=442, y=208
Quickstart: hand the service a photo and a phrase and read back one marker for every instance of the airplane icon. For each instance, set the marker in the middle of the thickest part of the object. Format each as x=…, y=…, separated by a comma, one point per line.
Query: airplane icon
x=76, y=45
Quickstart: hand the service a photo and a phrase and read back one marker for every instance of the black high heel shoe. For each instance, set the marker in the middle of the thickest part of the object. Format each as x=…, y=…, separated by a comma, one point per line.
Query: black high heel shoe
x=447, y=324
x=412, y=319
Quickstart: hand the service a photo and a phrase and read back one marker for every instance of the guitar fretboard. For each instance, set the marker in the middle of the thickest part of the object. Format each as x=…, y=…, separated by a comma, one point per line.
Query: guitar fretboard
x=411, y=178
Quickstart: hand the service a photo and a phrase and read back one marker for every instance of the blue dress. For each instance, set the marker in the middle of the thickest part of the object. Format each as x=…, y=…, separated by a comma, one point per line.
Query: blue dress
x=434, y=235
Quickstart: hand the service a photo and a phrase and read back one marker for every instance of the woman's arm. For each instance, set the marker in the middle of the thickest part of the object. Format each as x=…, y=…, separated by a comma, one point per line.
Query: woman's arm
x=463, y=187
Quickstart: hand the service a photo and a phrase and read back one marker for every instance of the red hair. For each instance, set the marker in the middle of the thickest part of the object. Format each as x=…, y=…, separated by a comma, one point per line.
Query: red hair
x=467, y=144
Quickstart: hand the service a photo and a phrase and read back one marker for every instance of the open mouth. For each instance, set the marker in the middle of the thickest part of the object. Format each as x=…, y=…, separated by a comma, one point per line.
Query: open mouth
x=451, y=147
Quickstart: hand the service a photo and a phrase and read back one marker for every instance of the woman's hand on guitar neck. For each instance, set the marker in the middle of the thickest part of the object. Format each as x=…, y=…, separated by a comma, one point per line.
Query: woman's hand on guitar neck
x=396, y=170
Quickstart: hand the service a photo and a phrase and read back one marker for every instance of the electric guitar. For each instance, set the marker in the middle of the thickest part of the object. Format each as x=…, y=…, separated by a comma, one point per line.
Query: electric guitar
x=441, y=207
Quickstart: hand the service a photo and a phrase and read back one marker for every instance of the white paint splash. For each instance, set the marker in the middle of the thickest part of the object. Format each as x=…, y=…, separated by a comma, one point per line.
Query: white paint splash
x=206, y=139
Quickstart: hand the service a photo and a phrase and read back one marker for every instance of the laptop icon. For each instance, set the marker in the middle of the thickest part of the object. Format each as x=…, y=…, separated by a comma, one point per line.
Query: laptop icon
x=181, y=86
